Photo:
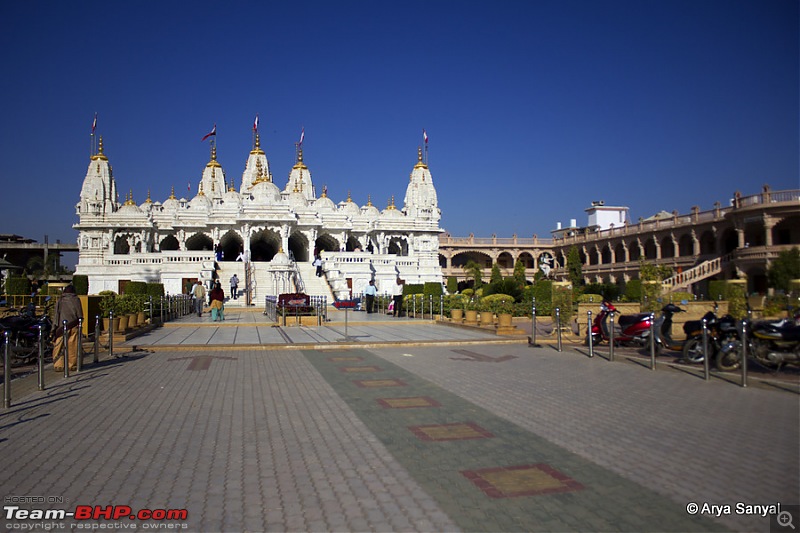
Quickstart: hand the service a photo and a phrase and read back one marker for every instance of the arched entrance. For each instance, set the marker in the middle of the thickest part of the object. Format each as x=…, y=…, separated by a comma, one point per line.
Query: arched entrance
x=298, y=247
x=264, y=245
x=326, y=243
x=231, y=245
x=199, y=241
x=169, y=243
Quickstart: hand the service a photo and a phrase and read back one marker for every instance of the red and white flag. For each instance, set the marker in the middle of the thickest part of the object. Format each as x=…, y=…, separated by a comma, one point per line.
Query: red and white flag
x=189, y=186
x=255, y=124
x=424, y=135
x=302, y=136
x=210, y=133
x=94, y=123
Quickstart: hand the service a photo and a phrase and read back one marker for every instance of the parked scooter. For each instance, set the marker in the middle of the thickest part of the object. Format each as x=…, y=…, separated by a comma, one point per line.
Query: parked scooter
x=628, y=329
x=771, y=344
x=662, y=330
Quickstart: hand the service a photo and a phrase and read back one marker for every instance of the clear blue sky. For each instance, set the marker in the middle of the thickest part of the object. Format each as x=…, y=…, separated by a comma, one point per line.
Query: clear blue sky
x=533, y=108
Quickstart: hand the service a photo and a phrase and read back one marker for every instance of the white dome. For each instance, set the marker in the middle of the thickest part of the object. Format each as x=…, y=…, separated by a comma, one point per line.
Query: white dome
x=350, y=208
x=200, y=202
x=296, y=199
x=370, y=211
x=265, y=192
x=323, y=203
x=281, y=259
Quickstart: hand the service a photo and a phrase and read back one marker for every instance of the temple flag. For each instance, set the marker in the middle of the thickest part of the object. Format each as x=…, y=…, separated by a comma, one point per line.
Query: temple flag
x=94, y=123
x=255, y=123
x=302, y=136
x=210, y=133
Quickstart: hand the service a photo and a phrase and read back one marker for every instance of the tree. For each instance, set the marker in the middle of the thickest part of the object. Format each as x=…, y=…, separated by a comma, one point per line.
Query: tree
x=784, y=268
x=473, y=270
x=496, y=275
x=574, y=272
x=519, y=273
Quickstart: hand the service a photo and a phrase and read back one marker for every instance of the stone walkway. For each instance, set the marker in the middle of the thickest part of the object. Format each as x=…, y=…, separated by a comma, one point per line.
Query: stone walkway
x=408, y=426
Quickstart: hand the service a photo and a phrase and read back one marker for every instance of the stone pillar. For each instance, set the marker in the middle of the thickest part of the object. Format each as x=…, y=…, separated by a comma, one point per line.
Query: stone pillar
x=769, y=223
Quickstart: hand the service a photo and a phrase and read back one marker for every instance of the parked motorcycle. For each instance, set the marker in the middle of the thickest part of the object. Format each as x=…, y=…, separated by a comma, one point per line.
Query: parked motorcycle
x=771, y=344
x=720, y=331
x=628, y=329
x=23, y=333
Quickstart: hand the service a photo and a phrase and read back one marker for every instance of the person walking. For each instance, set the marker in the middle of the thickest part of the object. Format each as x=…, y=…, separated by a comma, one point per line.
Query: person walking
x=234, y=286
x=318, y=263
x=369, y=295
x=199, y=295
x=398, y=297
x=68, y=308
x=217, y=296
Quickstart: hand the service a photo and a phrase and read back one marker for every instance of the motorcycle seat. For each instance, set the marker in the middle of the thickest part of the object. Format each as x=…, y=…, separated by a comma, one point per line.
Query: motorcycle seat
x=782, y=330
x=627, y=320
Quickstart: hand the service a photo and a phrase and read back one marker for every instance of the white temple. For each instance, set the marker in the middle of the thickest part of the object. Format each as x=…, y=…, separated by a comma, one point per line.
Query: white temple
x=265, y=235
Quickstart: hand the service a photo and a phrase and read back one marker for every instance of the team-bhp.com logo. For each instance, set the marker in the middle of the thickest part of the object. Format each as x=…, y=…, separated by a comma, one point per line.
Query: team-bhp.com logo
x=94, y=512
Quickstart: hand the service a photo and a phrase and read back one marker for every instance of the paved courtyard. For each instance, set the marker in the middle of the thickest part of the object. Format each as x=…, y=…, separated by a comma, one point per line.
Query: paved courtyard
x=397, y=425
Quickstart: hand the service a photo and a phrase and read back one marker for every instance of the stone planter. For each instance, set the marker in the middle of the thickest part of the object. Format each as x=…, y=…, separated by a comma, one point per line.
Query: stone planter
x=107, y=327
x=487, y=318
x=132, y=320
x=140, y=319
x=471, y=317
x=504, y=320
x=121, y=323
x=456, y=315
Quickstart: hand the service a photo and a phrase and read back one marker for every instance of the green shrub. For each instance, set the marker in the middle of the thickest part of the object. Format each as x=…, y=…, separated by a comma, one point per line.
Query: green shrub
x=633, y=290
x=16, y=285
x=509, y=286
x=81, y=283
x=608, y=291
x=543, y=292
x=108, y=302
x=468, y=292
x=432, y=288
x=496, y=303
x=562, y=298
x=136, y=288
x=156, y=290
x=452, y=285
x=590, y=298
x=679, y=296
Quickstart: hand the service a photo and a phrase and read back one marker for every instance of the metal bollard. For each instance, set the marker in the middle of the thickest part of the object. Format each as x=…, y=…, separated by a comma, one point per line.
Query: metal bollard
x=111, y=334
x=589, y=332
x=706, y=373
x=414, y=305
x=533, y=327
x=66, y=349
x=161, y=308
x=79, y=364
x=151, y=311
x=652, y=341
x=40, y=362
x=611, y=337
x=441, y=307
x=744, y=354
x=6, y=373
x=430, y=305
x=558, y=326
x=96, y=357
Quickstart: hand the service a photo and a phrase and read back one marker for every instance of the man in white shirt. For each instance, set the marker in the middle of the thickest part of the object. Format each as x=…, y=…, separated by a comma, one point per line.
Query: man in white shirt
x=398, y=297
x=369, y=295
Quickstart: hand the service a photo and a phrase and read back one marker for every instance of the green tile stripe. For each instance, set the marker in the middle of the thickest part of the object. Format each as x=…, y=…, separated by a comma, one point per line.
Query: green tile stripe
x=607, y=502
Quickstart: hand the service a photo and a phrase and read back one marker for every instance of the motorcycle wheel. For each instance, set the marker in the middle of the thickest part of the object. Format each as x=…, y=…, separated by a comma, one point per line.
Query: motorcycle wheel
x=727, y=361
x=693, y=350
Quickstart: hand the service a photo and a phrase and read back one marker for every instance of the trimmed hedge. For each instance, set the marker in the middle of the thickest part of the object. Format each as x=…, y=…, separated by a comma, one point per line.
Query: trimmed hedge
x=452, y=285
x=136, y=287
x=156, y=290
x=81, y=283
x=16, y=285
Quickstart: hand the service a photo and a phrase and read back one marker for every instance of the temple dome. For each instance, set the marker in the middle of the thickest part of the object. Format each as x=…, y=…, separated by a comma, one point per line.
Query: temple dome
x=323, y=203
x=349, y=207
x=266, y=193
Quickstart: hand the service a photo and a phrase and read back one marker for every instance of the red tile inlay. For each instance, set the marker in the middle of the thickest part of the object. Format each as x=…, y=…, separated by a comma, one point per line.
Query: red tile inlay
x=345, y=358
x=521, y=480
x=457, y=431
x=410, y=402
x=377, y=383
x=356, y=369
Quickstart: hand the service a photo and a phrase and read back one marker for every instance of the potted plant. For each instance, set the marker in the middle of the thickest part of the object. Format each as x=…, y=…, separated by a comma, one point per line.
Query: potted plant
x=471, y=313
x=486, y=313
x=107, y=305
x=456, y=308
x=505, y=314
x=121, y=307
